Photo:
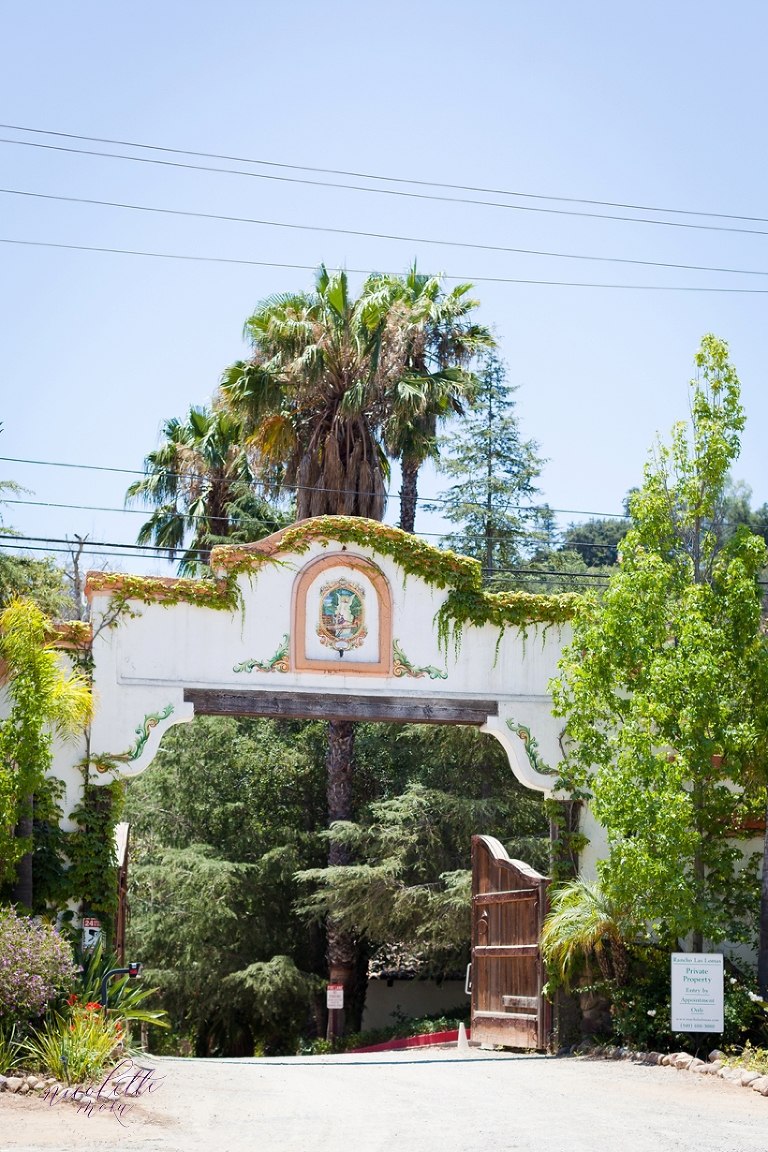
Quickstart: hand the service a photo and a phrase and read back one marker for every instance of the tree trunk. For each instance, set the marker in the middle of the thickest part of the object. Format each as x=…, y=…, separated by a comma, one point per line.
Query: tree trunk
x=620, y=962
x=342, y=949
x=408, y=494
x=762, y=951
x=22, y=892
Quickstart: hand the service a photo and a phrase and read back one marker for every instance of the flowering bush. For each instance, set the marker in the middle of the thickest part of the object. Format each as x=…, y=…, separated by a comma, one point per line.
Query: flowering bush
x=35, y=964
x=77, y=1045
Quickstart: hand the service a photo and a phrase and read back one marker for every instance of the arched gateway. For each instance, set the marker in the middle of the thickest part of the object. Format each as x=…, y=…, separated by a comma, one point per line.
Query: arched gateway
x=334, y=618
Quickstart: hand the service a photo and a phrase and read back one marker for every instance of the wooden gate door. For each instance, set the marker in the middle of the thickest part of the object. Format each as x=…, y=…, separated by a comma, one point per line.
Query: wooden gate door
x=509, y=903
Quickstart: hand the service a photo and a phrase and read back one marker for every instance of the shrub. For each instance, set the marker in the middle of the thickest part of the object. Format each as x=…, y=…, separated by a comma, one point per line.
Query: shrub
x=10, y=1048
x=75, y=1046
x=35, y=965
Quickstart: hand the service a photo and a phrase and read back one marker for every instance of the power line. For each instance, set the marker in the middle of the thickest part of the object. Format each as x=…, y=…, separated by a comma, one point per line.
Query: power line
x=95, y=549
x=366, y=271
x=386, y=179
x=381, y=235
x=391, y=191
x=289, y=487
x=254, y=520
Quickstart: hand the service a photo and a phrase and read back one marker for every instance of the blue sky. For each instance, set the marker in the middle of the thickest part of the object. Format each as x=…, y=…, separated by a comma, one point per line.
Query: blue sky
x=646, y=104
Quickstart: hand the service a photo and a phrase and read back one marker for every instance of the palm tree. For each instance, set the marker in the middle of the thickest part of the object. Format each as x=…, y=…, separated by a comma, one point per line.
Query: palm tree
x=441, y=341
x=583, y=920
x=332, y=384
x=313, y=395
x=201, y=480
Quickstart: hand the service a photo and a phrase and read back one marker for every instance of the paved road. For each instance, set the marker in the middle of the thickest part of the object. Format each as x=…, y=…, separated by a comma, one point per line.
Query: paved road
x=434, y=1102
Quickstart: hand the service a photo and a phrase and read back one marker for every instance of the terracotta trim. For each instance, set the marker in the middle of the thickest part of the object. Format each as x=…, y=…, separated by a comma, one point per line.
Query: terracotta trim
x=307, y=575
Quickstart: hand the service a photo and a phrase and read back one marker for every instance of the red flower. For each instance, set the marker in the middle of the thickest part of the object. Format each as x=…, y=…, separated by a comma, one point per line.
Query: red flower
x=72, y=1000
x=92, y=1006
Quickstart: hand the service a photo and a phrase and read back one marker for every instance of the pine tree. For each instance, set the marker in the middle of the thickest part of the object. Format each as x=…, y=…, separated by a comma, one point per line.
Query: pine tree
x=495, y=473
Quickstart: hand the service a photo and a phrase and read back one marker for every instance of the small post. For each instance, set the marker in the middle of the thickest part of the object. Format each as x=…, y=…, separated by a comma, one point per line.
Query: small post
x=131, y=971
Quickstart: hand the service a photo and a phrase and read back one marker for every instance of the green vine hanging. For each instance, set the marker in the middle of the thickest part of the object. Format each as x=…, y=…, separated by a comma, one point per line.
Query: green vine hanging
x=467, y=603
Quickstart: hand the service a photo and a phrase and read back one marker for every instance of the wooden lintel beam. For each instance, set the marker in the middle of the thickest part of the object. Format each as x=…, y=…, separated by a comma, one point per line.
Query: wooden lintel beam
x=334, y=706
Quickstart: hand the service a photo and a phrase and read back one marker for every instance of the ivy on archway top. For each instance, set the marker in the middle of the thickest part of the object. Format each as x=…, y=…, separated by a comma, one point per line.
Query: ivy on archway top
x=467, y=603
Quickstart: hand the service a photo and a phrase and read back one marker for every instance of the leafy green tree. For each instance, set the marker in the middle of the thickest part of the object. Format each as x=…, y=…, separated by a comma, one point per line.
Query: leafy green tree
x=201, y=481
x=228, y=813
x=38, y=580
x=495, y=473
x=597, y=542
x=585, y=920
x=411, y=881
x=44, y=698
x=665, y=689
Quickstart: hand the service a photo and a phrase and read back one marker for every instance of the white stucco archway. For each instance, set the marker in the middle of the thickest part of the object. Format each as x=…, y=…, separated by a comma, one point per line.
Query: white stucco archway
x=330, y=628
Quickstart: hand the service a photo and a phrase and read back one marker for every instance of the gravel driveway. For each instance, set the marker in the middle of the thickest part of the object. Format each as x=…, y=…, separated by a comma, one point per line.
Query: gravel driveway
x=431, y=1102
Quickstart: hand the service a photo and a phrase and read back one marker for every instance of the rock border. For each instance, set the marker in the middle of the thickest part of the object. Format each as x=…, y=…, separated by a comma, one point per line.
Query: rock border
x=715, y=1065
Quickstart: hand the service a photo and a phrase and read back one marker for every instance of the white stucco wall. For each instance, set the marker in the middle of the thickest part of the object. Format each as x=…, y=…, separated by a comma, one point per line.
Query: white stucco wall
x=412, y=998
x=144, y=665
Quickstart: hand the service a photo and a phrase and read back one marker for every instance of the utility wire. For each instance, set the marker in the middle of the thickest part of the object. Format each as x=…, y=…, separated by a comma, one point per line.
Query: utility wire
x=291, y=487
x=366, y=271
x=543, y=573
x=386, y=179
x=381, y=235
x=388, y=191
x=99, y=550
x=10, y=535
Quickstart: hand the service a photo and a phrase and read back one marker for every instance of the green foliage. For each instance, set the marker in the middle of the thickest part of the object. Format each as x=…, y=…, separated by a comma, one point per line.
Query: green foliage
x=76, y=1045
x=273, y=996
x=334, y=381
x=583, y=920
x=411, y=881
x=10, y=1048
x=126, y=996
x=49, y=861
x=200, y=481
x=43, y=697
x=641, y=1009
x=228, y=814
x=665, y=687
x=467, y=601
x=595, y=541
x=494, y=472
x=40, y=581
x=92, y=875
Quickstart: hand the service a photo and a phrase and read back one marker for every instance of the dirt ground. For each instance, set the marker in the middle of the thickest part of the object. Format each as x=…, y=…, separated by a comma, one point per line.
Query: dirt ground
x=432, y=1101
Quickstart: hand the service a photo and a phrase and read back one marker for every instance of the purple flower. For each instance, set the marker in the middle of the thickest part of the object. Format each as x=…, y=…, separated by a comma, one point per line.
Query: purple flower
x=35, y=962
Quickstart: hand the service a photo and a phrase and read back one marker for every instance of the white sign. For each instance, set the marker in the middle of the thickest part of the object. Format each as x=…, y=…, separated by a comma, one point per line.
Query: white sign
x=334, y=996
x=91, y=932
x=697, y=992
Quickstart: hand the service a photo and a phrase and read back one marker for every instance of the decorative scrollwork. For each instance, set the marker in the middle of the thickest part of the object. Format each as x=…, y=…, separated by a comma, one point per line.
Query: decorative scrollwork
x=531, y=745
x=403, y=666
x=143, y=730
x=278, y=663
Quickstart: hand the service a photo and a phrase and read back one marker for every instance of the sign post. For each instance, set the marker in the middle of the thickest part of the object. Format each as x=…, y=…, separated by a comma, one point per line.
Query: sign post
x=334, y=1002
x=697, y=992
x=334, y=996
